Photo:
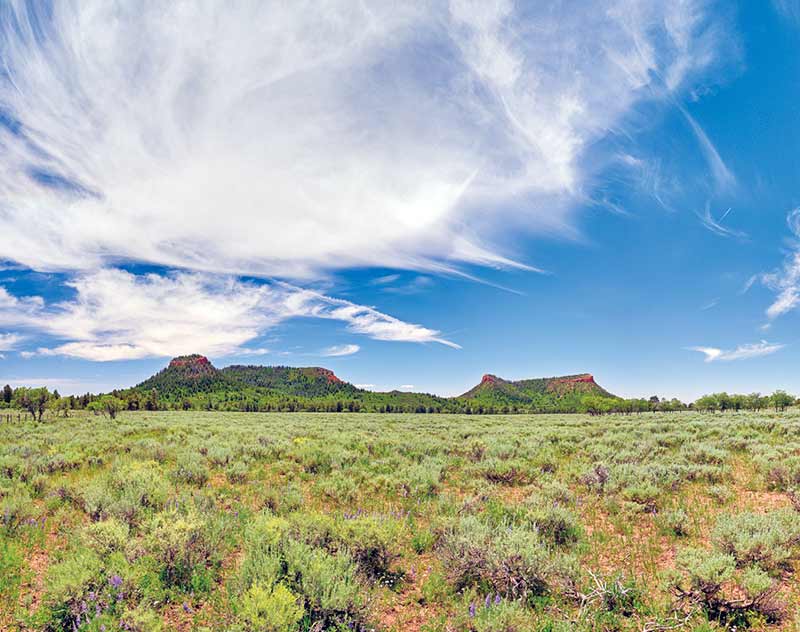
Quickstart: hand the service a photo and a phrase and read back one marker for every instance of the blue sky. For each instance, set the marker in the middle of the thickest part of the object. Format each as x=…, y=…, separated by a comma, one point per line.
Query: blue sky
x=411, y=197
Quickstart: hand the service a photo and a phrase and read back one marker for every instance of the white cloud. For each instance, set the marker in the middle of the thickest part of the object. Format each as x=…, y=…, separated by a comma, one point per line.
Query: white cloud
x=287, y=139
x=723, y=177
x=406, y=387
x=742, y=352
x=340, y=350
x=366, y=387
x=117, y=315
x=785, y=282
x=9, y=342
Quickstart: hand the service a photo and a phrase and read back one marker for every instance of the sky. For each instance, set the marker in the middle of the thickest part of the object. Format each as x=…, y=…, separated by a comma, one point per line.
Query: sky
x=412, y=196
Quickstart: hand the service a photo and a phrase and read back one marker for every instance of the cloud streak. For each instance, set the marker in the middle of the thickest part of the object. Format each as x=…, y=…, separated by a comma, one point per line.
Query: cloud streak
x=742, y=352
x=785, y=281
x=340, y=350
x=116, y=315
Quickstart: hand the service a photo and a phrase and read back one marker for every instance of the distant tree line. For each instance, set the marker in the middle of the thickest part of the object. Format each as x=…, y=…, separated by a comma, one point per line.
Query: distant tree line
x=36, y=402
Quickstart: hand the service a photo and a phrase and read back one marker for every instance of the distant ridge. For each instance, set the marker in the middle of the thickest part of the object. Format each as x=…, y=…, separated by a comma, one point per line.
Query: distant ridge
x=297, y=381
x=192, y=381
x=498, y=389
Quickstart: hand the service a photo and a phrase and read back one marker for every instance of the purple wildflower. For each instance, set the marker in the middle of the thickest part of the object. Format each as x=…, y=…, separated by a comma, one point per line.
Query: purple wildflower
x=472, y=610
x=488, y=601
x=187, y=608
x=115, y=581
x=497, y=598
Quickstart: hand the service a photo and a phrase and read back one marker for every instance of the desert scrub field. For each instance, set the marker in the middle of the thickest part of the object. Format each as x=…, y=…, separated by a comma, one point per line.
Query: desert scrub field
x=278, y=522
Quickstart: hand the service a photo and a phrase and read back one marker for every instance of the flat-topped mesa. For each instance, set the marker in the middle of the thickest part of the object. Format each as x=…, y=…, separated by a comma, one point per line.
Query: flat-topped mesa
x=193, y=366
x=190, y=360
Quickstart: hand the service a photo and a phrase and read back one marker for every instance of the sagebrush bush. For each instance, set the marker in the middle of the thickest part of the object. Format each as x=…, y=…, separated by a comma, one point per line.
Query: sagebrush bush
x=270, y=609
x=128, y=492
x=16, y=507
x=768, y=540
x=106, y=536
x=674, y=521
x=182, y=545
x=511, y=560
x=190, y=469
x=326, y=583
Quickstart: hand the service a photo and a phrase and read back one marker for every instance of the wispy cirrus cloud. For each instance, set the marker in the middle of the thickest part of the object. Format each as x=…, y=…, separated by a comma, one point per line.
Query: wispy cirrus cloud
x=742, y=352
x=717, y=226
x=785, y=281
x=375, y=133
x=340, y=350
x=117, y=315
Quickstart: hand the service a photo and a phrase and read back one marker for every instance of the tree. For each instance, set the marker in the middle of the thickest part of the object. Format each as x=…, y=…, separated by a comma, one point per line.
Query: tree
x=8, y=393
x=107, y=405
x=152, y=400
x=781, y=399
x=33, y=400
x=59, y=405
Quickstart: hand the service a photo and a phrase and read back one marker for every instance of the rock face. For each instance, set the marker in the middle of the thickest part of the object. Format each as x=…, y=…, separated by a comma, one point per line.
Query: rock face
x=585, y=378
x=328, y=375
x=192, y=365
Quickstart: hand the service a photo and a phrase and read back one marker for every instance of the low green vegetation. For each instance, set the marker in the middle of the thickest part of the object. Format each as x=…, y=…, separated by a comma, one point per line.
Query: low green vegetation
x=251, y=522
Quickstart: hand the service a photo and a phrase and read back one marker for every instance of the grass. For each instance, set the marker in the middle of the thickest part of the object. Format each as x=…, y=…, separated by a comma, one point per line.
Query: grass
x=245, y=522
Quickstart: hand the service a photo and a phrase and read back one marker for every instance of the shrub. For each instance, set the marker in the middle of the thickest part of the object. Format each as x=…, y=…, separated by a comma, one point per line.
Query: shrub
x=508, y=559
x=644, y=495
x=435, y=588
x=675, y=522
x=262, y=544
x=490, y=615
x=106, y=536
x=596, y=478
x=16, y=506
x=328, y=582
x=68, y=584
x=270, y=609
x=507, y=472
x=182, y=546
x=126, y=492
x=768, y=540
x=325, y=583
x=219, y=455
x=190, y=469
x=340, y=488
x=422, y=540
x=559, y=525
x=285, y=500
x=709, y=579
x=236, y=472
x=368, y=540
x=141, y=619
